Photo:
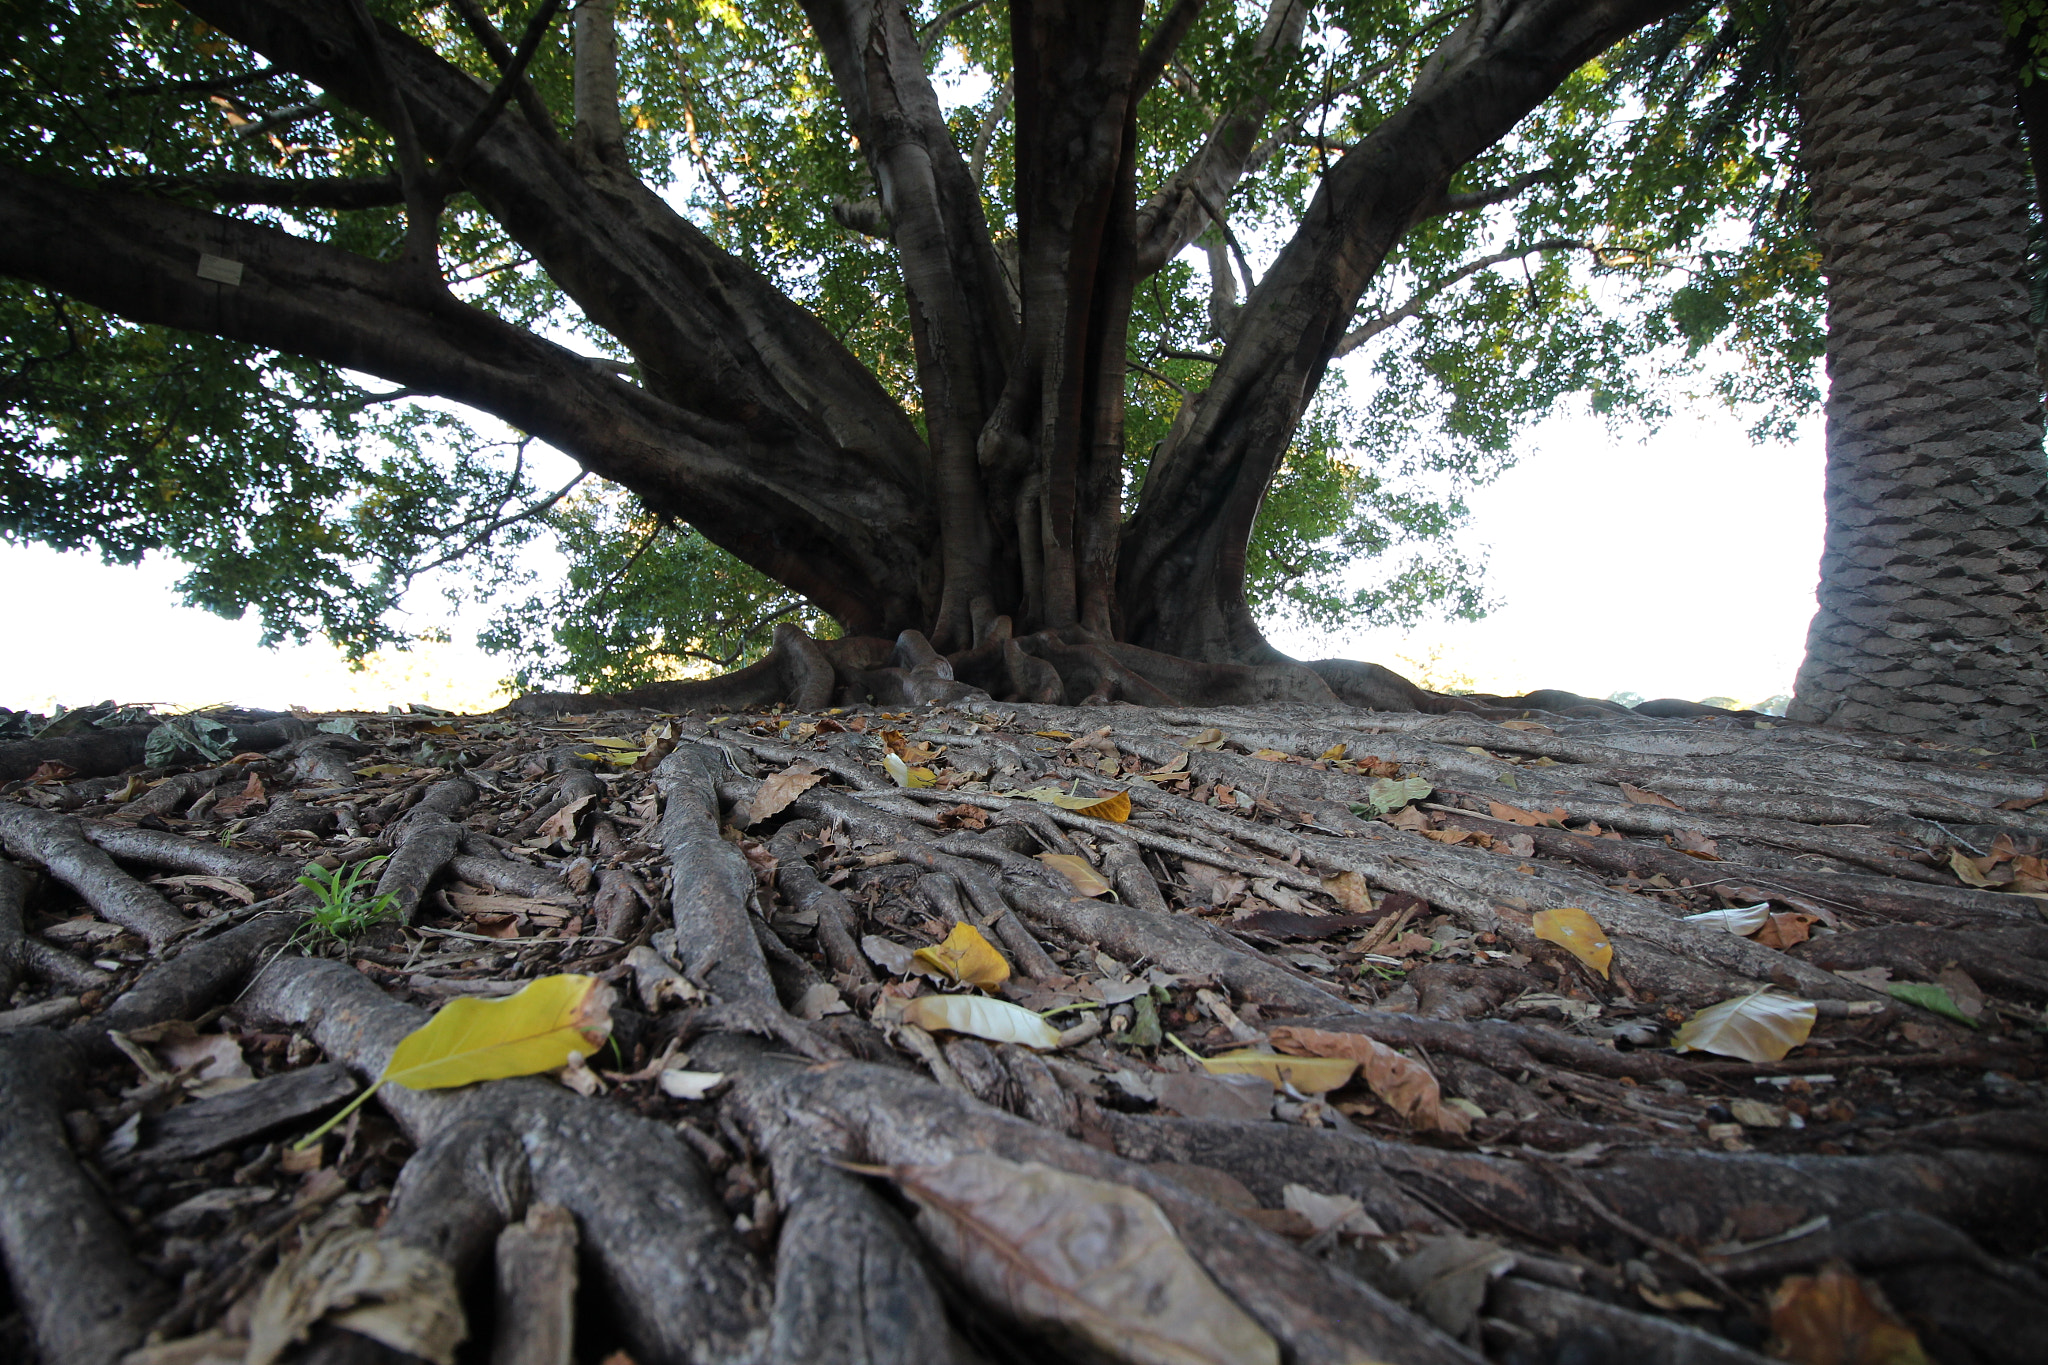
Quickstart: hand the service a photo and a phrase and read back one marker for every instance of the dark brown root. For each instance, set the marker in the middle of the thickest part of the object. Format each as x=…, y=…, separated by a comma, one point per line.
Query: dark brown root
x=86, y=1298
x=58, y=844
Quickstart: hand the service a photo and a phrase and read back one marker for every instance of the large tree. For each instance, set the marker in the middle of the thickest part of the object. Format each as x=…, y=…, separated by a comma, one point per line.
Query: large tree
x=1934, y=581
x=969, y=476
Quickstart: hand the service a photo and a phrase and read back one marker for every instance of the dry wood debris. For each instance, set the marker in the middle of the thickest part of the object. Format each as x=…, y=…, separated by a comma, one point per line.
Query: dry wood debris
x=1503, y=1156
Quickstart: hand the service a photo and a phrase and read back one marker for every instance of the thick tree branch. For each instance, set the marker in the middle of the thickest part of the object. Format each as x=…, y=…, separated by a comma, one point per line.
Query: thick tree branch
x=784, y=501
x=1174, y=216
x=422, y=199
x=600, y=137
x=1164, y=42
x=960, y=313
x=710, y=334
x=337, y=192
x=1468, y=200
x=1202, y=493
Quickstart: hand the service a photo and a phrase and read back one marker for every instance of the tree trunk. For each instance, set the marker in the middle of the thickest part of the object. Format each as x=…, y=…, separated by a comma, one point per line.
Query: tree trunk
x=1932, y=605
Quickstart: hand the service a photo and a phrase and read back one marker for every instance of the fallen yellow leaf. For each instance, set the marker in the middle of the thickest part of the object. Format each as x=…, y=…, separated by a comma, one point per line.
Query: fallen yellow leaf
x=1309, y=1075
x=1084, y=878
x=967, y=957
x=1333, y=754
x=1115, y=807
x=1052, y=734
x=1578, y=933
x=906, y=776
x=472, y=1039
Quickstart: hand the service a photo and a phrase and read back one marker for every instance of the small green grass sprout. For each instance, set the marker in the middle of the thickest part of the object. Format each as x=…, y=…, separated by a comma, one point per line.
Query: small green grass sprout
x=343, y=911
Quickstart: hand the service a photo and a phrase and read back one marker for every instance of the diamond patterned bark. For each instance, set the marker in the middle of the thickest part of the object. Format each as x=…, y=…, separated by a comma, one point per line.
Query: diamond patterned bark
x=1934, y=576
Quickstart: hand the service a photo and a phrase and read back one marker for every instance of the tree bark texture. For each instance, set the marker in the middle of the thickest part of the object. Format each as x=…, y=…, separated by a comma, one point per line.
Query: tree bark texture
x=1934, y=575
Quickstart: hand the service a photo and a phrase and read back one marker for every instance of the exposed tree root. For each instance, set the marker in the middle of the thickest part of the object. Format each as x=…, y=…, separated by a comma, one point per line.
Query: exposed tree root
x=1607, y=1198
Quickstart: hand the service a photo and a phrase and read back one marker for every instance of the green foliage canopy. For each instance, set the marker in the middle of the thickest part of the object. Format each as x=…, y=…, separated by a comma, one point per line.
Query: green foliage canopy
x=1639, y=242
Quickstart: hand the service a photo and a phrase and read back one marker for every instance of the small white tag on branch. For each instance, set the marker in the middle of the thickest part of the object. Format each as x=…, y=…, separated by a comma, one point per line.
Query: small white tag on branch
x=219, y=269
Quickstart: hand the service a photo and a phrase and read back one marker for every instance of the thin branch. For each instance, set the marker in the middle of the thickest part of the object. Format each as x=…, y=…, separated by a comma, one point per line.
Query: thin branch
x=491, y=270
x=928, y=36
x=1171, y=354
x=1223, y=225
x=282, y=118
x=985, y=136
x=1413, y=307
x=529, y=44
x=530, y=103
x=591, y=603
x=499, y=524
x=198, y=86
x=1486, y=198
x=1170, y=383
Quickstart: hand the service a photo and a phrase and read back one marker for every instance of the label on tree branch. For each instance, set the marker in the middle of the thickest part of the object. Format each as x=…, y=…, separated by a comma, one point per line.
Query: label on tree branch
x=219, y=269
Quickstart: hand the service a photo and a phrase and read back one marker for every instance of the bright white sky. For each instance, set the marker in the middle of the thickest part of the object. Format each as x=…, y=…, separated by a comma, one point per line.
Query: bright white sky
x=1682, y=566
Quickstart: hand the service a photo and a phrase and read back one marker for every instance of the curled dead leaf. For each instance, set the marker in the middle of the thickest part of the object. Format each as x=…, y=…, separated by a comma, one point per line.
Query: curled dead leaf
x=1409, y=1088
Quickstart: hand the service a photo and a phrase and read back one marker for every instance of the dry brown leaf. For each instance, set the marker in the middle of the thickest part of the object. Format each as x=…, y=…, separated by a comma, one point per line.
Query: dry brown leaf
x=1834, y=1318
x=562, y=824
x=1783, y=931
x=1533, y=818
x=1970, y=870
x=1578, y=933
x=387, y=1290
x=778, y=791
x=1349, y=890
x=1084, y=1256
x=963, y=816
x=1639, y=797
x=1085, y=879
x=1696, y=844
x=1409, y=1088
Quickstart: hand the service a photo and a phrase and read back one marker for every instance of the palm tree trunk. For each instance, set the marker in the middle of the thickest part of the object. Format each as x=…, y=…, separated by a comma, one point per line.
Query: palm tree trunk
x=1932, y=603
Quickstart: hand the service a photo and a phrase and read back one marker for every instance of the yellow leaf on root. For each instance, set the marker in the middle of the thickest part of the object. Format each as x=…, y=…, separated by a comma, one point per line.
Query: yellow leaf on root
x=1578, y=933
x=966, y=957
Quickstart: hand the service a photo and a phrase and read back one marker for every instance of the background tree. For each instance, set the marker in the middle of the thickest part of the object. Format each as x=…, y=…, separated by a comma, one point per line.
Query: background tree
x=1465, y=256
